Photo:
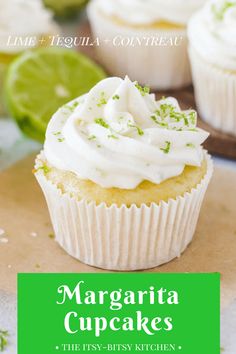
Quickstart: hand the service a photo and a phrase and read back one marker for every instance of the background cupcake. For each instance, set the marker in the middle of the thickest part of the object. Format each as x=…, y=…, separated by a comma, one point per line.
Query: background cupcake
x=144, y=39
x=124, y=176
x=212, y=36
x=23, y=24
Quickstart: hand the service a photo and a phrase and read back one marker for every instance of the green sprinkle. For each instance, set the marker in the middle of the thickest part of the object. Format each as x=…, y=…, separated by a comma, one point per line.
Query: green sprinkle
x=167, y=114
x=166, y=108
x=44, y=168
x=66, y=106
x=99, y=146
x=75, y=104
x=139, y=130
x=193, y=117
x=57, y=133
x=113, y=137
x=3, y=339
x=154, y=118
x=143, y=90
x=60, y=139
x=220, y=12
x=166, y=149
x=116, y=97
x=186, y=122
x=71, y=107
x=102, y=101
x=190, y=145
x=162, y=124
x=101, y=121
x=52, y=236
x=92, y=137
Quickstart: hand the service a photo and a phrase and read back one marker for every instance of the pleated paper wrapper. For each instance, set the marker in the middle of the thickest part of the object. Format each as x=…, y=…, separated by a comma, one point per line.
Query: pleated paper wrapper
x=124, y=238
x=215, y=92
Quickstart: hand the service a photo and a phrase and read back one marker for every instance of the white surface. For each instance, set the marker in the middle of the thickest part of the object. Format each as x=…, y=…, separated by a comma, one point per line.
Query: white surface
x=228, y=328
x=8, y=320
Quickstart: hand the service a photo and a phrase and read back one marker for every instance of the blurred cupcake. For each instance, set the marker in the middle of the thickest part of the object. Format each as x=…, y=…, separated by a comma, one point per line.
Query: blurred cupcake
x=145, y=39
x=124, y=176
x=212, y=36
x=23, y=24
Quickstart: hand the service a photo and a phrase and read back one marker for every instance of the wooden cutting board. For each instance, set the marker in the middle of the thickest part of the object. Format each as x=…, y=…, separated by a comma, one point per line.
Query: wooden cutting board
x=218, y=143
x=23, y=211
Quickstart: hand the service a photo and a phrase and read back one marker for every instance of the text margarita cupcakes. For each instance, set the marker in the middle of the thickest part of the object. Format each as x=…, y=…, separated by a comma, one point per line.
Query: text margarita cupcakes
x=124, y=176
x=212, y=36
x=145, y=39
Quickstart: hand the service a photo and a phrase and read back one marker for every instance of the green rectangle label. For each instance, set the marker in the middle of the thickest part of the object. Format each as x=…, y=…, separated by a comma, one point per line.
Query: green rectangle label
x=121, y=312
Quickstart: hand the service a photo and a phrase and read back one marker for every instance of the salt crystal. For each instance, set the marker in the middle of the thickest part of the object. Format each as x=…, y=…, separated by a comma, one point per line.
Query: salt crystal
x=4, y=240
x=33, y=234
x=2, y=232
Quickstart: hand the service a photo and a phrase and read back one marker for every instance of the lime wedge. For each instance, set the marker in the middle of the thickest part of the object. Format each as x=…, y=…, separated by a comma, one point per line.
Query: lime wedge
x=40, y=81
x=65, y=7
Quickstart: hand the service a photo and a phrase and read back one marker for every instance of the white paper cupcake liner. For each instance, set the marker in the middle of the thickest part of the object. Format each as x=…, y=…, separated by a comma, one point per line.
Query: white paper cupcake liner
x=215, y=93
x=122, y=238
x=160, y=67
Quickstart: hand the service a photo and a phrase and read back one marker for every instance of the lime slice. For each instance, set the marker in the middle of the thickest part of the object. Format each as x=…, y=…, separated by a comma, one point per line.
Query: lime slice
x=40, y=81
x=65, y=7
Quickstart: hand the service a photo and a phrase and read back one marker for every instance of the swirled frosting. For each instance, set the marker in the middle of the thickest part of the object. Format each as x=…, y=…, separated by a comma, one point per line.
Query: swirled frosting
x=22, y=18
x=149, y=11
x=118, y=135
x=212, y=33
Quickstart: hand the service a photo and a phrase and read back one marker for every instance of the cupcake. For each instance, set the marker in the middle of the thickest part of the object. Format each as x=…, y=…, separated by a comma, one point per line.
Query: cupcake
x=23, y=24
x=124, y=176
x=212, y=48
x=145, y=39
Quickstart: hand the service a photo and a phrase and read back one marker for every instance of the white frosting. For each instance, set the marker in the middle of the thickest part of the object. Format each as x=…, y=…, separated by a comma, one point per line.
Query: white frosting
x=212, y=33
x=119, y=136
x=23, y=18
x=150, y=11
